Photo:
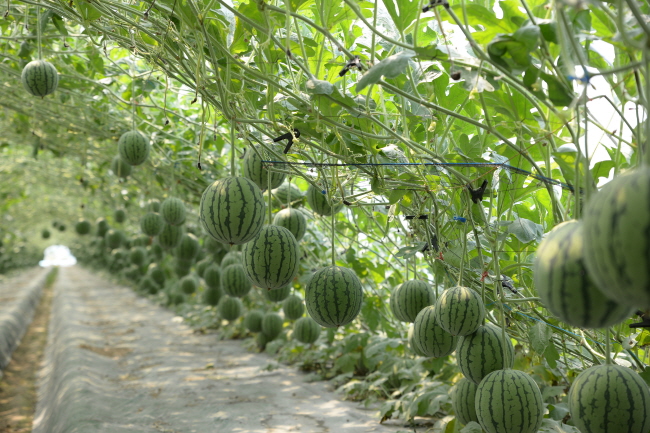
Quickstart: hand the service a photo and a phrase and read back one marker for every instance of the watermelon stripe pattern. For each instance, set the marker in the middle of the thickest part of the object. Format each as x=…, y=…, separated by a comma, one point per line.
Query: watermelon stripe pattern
x=133, y=147
x=120, y=168
x=429, y=337
x=255, y=170
x=40, y=78
x=253, y=321
x=610, y=399
x=319, y=202
x=306, y=330
x=460, y=311
x=409, y=298
x=287, y=192
x=173, y=211
x=334, y=296
x=272, y=326
x=481, y=353
x=212, y=276
x=564, y=285
x=232, y=210
x=617, y=239
x=188, y=248
x=293, y=307
x=230, y=308
x=272, y=259
x=277, y=295
x=509, y=401
x=463, y=397
x=151, y=224
x=292, y=220
x=212, y=296
x=234, y=281
x=170, y=236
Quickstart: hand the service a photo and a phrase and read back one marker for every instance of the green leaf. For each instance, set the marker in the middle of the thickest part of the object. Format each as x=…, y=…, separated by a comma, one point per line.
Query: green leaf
x=553, y=426
x=405, y=12
x=410, y=251
x=319, y=87
x=558, y=94
x=526, y=230
x=59, y=24
x=472, y=427
x=551, y=355
x=481, y=16
x=390, y=67
x=513, y=51
x=602, y=169
x=539, y=335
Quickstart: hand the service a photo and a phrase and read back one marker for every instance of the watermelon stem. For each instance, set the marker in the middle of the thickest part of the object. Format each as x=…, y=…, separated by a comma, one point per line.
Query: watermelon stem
x=333, y=241
x=608, y=351
x=233, y=165
x=38, y=32
x=268, y=191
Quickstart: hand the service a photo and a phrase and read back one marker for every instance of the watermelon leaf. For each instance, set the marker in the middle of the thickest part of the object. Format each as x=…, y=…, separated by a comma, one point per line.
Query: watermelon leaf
x=539, y=335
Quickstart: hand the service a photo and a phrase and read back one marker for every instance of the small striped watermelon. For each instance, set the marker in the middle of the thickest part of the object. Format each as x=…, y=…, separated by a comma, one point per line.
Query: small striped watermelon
x=212, y=276
x=610, y=399
x=334, y=296
x=272, y=259
x=278, y=295
x=230, y=308
x=170, y=236
x=460, y=311
x=234, y=281
x=272, y=326
x=617, y=245
x=509, y=401
x=40, y=78
x=119, y=215
x=292, y=220
x=182, y=267
x=253, y=321
x=45, y=234
x=319, y=202
x=231, y=258
x=157, y=274
x=293, y=307
x=173, y=211
x=102, y=227
x=288, y=192
x=306, y=330
x=138, y=256
x=133, y=147
x=82, y=227
x=258, y=171
x=261, y=340
x=429, y=337
x=188, y=284
x=153, y=205
x=232, y=210
x=212, y=295
x=202, y=265
x=409, y=298
x=151, y=224
x=463, y=397
x=188, y=247
x=414, y=347
x=147, y=285
x=481, y=353
x=120, y=168
x=564, y=285
x=114, y=239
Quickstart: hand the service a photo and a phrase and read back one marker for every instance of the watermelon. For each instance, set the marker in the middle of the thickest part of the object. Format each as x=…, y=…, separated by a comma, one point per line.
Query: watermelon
x=261, y=340
x=272, y=259
x=102, y=227
x=292, y=220
x=509, y=401
x=138, y=255
x=151, y=224
x=212, y=295
x=411, y=342
x=564, y=285
x=230, y=308
x=153, y=205
x=141, y=241
x=213, y=246
x=272, y=326
x=234, y=281
x=463, y=397
x=231, y=258
x=293, y=307
x=133, y=147
x=257, y=171
x=202, y=265
x=40, y=78
x=119, y=215
x=319, y=203
x=253, y=320
x=170, y=236
x=306, y=330
x=45, y=234
x=182, y=268
x=212, y=276
x=610, y=399
x=173, y=211
x=82, y=227
x=147, y=285
x=481, y=353
x=156, y=251
x=232, y=210
x=616, y=241
x=409, y=298
x=61, y=227
x=120, y=168
x=188, y=284
x=114, y=238
x=333, y=296
x=429, y=337
x=188, y=248
x=277, y=295
x=288, y=192
x=460, y=311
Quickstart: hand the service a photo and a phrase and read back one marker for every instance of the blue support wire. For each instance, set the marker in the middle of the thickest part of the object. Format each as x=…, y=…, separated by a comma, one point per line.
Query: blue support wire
x=433, y=164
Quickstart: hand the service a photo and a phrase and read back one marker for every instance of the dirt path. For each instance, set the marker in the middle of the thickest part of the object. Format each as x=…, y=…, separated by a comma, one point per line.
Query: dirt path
x=18, y=384
x=116, y=363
